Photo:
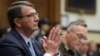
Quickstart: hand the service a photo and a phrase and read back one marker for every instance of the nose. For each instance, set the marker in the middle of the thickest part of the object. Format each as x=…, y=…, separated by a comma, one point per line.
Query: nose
x=36, y=18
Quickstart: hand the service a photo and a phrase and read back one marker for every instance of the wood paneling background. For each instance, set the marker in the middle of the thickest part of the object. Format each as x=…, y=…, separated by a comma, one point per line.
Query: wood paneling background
x=49, y=9
x=4, y=4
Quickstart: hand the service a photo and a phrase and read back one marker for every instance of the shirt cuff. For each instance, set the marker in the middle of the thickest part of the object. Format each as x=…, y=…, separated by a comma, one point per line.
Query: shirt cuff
x=47, y=54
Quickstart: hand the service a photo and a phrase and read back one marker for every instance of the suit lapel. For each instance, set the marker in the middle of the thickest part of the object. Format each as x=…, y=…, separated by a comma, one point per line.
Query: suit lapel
x=21, y=41
x=37, y=48
x=64, y=51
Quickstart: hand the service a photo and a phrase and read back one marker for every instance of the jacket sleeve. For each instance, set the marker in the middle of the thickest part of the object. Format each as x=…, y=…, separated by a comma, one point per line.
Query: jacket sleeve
x=10, y=51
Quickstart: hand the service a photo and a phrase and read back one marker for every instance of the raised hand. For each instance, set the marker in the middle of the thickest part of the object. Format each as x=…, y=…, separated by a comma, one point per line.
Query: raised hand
x=52, y=42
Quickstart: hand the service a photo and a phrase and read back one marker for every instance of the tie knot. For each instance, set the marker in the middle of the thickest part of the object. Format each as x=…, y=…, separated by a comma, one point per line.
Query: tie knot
x=29, y=43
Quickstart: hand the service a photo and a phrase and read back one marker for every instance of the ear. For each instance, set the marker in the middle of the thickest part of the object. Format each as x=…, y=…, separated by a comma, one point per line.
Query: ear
x=17, y=22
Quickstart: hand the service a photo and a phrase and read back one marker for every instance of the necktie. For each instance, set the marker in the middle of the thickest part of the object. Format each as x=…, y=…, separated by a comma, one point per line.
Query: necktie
x=29, y=43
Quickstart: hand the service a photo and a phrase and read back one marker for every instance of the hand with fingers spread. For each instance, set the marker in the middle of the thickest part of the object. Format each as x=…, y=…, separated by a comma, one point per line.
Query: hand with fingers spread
x=52, y=42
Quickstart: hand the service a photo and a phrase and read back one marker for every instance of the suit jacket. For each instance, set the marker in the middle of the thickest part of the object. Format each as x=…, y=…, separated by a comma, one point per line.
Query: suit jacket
x=12, y=44
x=67, y=52
x=93, y=54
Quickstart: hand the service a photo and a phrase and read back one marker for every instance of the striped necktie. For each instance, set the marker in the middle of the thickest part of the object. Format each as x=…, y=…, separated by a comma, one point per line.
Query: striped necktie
x=29, y=43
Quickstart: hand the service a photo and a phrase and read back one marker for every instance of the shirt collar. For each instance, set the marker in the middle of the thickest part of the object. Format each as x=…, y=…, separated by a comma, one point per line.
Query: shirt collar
x=66, y=47
x=26, y=39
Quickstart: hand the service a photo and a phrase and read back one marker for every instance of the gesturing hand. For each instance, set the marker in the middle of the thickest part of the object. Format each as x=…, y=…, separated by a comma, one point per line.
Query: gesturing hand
x=52, y=42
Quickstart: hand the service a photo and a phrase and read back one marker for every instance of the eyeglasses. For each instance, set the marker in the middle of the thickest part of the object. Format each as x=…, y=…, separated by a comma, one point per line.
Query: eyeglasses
x=30, y=15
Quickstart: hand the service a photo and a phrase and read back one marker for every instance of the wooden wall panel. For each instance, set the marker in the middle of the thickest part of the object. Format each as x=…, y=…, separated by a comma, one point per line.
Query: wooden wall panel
x=41, y=7
x=46, y=8
x=4, y=4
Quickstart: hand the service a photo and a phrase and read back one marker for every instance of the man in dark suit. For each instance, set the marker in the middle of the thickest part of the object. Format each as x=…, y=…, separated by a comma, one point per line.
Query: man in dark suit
x=75, y=34
x=23, y=20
